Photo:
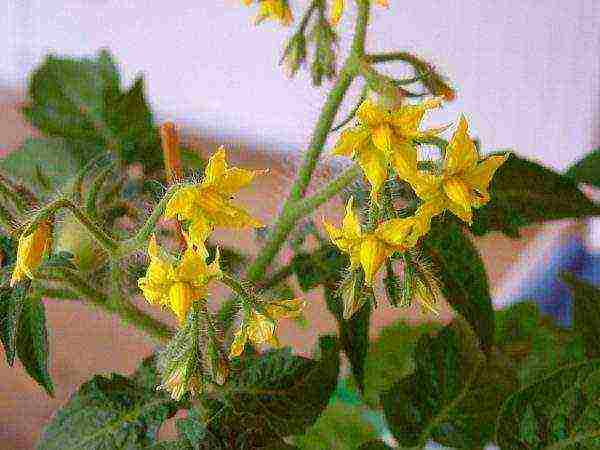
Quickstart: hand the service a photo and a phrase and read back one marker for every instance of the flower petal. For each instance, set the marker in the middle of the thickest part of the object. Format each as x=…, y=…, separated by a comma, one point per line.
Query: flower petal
x=239, y=342
x=382, y=138
x=480, y=176
x=350, y=224
x=370, y=114
x=350, y=141
x=461, y=153
x=216, y=166
x=404, y=160
x=395, y=231
x=458, y=191
x=337, y=9
x=373, y=253
x=426, y=185
x=183, y=202
x=181, y=297
x=464, y=214
x=374, y=165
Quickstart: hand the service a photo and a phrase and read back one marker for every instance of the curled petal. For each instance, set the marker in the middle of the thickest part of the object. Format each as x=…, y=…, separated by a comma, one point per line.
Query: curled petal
x=181, y=297
x=216, y=166
x=461, y=153
x=350, y=223
x=425, y=185
x=239, y=342
x=395, y=231
x=374, y=165
x=479, y=178
x=382, y=138
x=370, y=114
x=427, y=211
x=183, y=203
x=260, y=328
x=464, y=214
x=351, y=141
x=404, y=160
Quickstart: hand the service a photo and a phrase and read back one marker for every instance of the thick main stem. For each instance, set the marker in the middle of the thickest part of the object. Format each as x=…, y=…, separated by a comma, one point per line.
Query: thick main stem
x=287, y=218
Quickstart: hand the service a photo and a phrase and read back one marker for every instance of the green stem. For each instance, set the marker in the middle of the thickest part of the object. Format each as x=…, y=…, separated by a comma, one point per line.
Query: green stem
x=91, y=197
x=287, y=218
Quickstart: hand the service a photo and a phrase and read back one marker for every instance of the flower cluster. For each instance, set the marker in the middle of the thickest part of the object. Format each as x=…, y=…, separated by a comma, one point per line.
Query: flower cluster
x=278, y=10
x=387, y=139
x=201, y=207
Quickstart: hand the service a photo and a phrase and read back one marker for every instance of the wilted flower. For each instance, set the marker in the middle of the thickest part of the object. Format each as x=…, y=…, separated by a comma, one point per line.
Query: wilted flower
x=260, y=328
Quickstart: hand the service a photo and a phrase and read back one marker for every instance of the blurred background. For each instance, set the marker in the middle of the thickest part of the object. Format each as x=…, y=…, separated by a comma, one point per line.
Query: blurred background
x=527, y=75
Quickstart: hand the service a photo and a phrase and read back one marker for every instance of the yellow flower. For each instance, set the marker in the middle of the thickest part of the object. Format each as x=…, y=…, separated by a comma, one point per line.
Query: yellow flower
x=260, y=328
x=30, y=251
x=337, y=9
x=464, y=182
x=385, y=137
x=273, y=9
x=370, y=250
x=208, y=204
x=177, y=286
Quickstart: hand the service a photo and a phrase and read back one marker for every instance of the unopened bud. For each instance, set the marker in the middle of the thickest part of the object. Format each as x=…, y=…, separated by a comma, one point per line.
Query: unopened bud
x=294, y=55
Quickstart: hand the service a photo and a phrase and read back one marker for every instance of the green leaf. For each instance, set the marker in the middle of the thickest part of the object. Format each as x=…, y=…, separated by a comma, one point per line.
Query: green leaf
x=274, y=395
x=561, y=411
x=524, y=192
x=463, y=277
x=453, y=395
x=534, y=343
x=79, y=99
x=11, y=305
x=586, y=313
x=32, y=342
x=390, y=356
x=59, y=162
x=353, y=333
x=106, y=413
x=586, y=170
x=340, y=427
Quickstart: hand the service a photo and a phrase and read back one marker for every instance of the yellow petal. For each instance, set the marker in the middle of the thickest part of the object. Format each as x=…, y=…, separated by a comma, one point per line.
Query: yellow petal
x=350, y=224
x=370, y=114
x=404, y=160
x=458, y=191
x=384, y=3
x=153, y=249
x=426, y=297
x=181, y=297
x=191, y=266
x=479, y=177
x=30, y=251
x=464, y=214
x=373, y=253
x=239, y=342
x=374, y=165
x=286, y=309
x=235, y=179
x=461, y=153
x=350, y=141
x=395, y=231
x=337, y=10
x=183, y=203
x=382, y=138
x=260, y=328
x=407, y=119
x=426, y=185
x=427, y=211
x=216, y=166
x=221, y=213
x=199, y=230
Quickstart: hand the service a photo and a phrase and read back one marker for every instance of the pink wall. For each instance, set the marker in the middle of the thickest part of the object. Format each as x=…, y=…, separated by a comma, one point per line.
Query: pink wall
x=527, y=70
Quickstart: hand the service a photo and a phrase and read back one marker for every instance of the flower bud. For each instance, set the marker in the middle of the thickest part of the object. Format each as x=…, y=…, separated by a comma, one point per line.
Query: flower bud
x=294, y=55
x=31, y=250
x=216, y=363
x=324, y=62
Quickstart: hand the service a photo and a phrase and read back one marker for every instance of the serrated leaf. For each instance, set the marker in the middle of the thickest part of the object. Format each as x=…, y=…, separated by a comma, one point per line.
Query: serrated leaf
x=532, y=341
x=586, y=313
x=59, y=161
x=463, y=277
x=587, y=169
x=106, y=413
x=11, y=305
x=340, y=427
x=79, y=99
x=453, y=395
x=561, y=411
x=353, y=333
x=32, y=342
x=524, y=192
x=274, y=395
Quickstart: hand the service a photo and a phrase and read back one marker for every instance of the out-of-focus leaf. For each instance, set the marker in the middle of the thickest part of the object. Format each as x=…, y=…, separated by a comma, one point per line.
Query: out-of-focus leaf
x=274, y=395
x=322, y=267
x=587, y=169
x=32, y=342
x=463, y=277
x=452, y=396
x=80, y=100
x=524, y=192
x=534, y=343
x=374, y=445
x=586, y=312
x=559, y=411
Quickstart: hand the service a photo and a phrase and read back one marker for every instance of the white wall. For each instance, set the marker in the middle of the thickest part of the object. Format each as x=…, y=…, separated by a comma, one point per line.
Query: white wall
x=527, y=70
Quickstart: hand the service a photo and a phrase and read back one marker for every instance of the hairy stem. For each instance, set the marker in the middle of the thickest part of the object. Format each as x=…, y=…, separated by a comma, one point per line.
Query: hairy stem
x=288, y=218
